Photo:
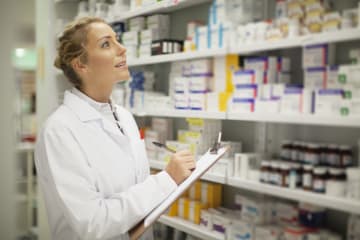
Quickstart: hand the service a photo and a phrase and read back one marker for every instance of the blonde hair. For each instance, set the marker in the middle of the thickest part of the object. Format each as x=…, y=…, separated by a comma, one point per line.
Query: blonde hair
x=71, y=45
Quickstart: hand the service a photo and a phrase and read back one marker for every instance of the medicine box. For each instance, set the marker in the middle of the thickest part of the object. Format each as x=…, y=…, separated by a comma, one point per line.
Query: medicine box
x=202, y=40
x=316, y=77
x=245, y=91
x=261, y=63
x=137, y=24
x=297, y=100
x=242, y=105
x=152, y=34
x=319, y=55
x=328, y=101
x=201, y=83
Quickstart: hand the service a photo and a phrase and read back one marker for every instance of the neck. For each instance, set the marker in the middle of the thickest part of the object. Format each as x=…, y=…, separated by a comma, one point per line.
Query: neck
x=99, y=95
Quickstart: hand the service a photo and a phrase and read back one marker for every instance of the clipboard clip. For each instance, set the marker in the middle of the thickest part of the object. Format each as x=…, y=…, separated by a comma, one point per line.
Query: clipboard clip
x=217, y=145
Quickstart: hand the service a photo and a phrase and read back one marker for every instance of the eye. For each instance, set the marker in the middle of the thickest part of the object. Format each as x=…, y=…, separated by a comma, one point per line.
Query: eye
x=105, y=44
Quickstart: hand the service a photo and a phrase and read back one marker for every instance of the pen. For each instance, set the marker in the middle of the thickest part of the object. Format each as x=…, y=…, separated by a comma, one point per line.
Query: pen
x=161, y=145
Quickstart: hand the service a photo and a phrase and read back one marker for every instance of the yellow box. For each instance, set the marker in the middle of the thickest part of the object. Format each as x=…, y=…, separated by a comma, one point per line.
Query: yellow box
x=232, y=64
x=195, y=191
x=211, y=194
x=173, y=209
x=183, y=208
x=223, y=101
x=195, y=208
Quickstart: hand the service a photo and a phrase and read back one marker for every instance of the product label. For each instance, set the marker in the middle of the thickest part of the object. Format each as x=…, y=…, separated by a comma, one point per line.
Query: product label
x=294, y=155
x=307, y=180
x=312, y=158
x=265, y=176
x=285, y=154
x=319, y=185
x=347, y=161
x=333, y=159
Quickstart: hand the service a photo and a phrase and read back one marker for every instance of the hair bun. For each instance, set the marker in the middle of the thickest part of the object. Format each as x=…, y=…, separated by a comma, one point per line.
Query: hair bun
x=58, y=62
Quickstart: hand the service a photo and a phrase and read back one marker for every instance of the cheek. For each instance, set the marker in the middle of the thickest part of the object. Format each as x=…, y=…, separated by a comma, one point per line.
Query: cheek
x=101, y=62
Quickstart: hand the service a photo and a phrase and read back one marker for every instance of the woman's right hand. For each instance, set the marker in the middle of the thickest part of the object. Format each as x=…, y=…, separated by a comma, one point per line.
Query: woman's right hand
x=180, y=166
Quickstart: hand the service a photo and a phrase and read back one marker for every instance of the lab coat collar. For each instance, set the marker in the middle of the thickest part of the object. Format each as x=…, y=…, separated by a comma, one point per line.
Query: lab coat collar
x=86, y=112
x=81, y=108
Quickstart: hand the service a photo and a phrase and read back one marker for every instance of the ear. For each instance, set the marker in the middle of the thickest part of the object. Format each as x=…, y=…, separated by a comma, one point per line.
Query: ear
x=79, y=67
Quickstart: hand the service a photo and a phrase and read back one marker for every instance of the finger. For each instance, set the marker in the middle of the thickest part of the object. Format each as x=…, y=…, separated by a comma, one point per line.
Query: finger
x=190, y=165
x=184, y=153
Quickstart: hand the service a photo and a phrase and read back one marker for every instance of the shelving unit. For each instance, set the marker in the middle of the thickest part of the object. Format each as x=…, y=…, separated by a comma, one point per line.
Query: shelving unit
x=331, y=37
x=300, y=119
x=342, y=204
x=190, y=228
x=30, y=196
x=311, y=39
x=164, y=6
x=176, y=57
x=180, y=114
x=305, y=122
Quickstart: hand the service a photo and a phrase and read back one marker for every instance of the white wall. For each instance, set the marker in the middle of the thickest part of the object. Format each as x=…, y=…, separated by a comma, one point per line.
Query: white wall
x=7, y=159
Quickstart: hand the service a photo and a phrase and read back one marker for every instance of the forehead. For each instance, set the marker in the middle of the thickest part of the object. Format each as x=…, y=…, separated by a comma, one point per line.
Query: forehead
x=98, y=30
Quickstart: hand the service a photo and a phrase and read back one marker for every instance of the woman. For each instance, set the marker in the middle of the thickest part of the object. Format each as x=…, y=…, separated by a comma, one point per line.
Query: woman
x=91, y=162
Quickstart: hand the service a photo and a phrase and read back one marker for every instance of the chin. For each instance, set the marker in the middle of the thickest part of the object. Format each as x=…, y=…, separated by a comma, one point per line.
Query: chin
x=123, y=77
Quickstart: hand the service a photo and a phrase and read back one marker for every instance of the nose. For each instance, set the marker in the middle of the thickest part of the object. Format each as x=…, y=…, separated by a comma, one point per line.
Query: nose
x=121, y=50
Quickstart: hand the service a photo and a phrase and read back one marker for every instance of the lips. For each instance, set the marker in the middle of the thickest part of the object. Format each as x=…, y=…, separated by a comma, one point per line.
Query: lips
x=121, y=64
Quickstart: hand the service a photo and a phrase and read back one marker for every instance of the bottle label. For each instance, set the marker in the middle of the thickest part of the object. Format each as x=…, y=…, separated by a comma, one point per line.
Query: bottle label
x=333, y=159
x=347, y=160
x=319, y=185
x=285, y=154
x=264, y=176
x=312, y=158
x=294, y=155
x=307, y=180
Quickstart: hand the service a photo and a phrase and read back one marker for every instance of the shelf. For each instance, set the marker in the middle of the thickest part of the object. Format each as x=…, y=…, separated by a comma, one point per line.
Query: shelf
x=302, y=119
x=211, y=177
x=180, y=114
x=176, y=57
x=297, y=119
x=331, y=37
x=342, y=204
x=159, y=165
x=25, y=146
x=311, y=39
x=190, y=228
x=164, y=6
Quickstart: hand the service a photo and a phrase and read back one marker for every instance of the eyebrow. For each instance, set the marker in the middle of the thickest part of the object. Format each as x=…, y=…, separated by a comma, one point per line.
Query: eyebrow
x=105, y=37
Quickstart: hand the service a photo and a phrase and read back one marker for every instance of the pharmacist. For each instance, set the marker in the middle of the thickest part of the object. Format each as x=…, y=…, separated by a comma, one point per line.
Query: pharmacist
x=91, y=161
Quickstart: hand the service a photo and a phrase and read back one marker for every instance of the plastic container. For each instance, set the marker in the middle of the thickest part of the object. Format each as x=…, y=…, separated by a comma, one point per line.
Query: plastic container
x=353, y=183
x=274, y=176
x=307, y=177
x=312, y=154
x=333, y=155
x=286, y=148
x=295, y=151
x=265, y=171
x=319, y=179
x=284, y=174
x=311, y=216
x=346, y=156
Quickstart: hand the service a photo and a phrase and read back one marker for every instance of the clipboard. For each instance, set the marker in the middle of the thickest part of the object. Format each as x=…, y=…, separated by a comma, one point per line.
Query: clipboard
x=202, y=165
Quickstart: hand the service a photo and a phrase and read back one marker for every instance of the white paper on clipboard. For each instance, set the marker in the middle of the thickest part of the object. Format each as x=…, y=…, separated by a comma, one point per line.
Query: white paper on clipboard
x=202, y=165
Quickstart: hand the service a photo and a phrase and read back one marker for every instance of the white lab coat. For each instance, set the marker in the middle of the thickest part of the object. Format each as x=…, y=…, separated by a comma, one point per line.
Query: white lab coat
x=94, y=179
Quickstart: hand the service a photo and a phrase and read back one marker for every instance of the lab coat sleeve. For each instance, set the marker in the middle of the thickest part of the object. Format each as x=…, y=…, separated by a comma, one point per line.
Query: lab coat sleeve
x=71, y=179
